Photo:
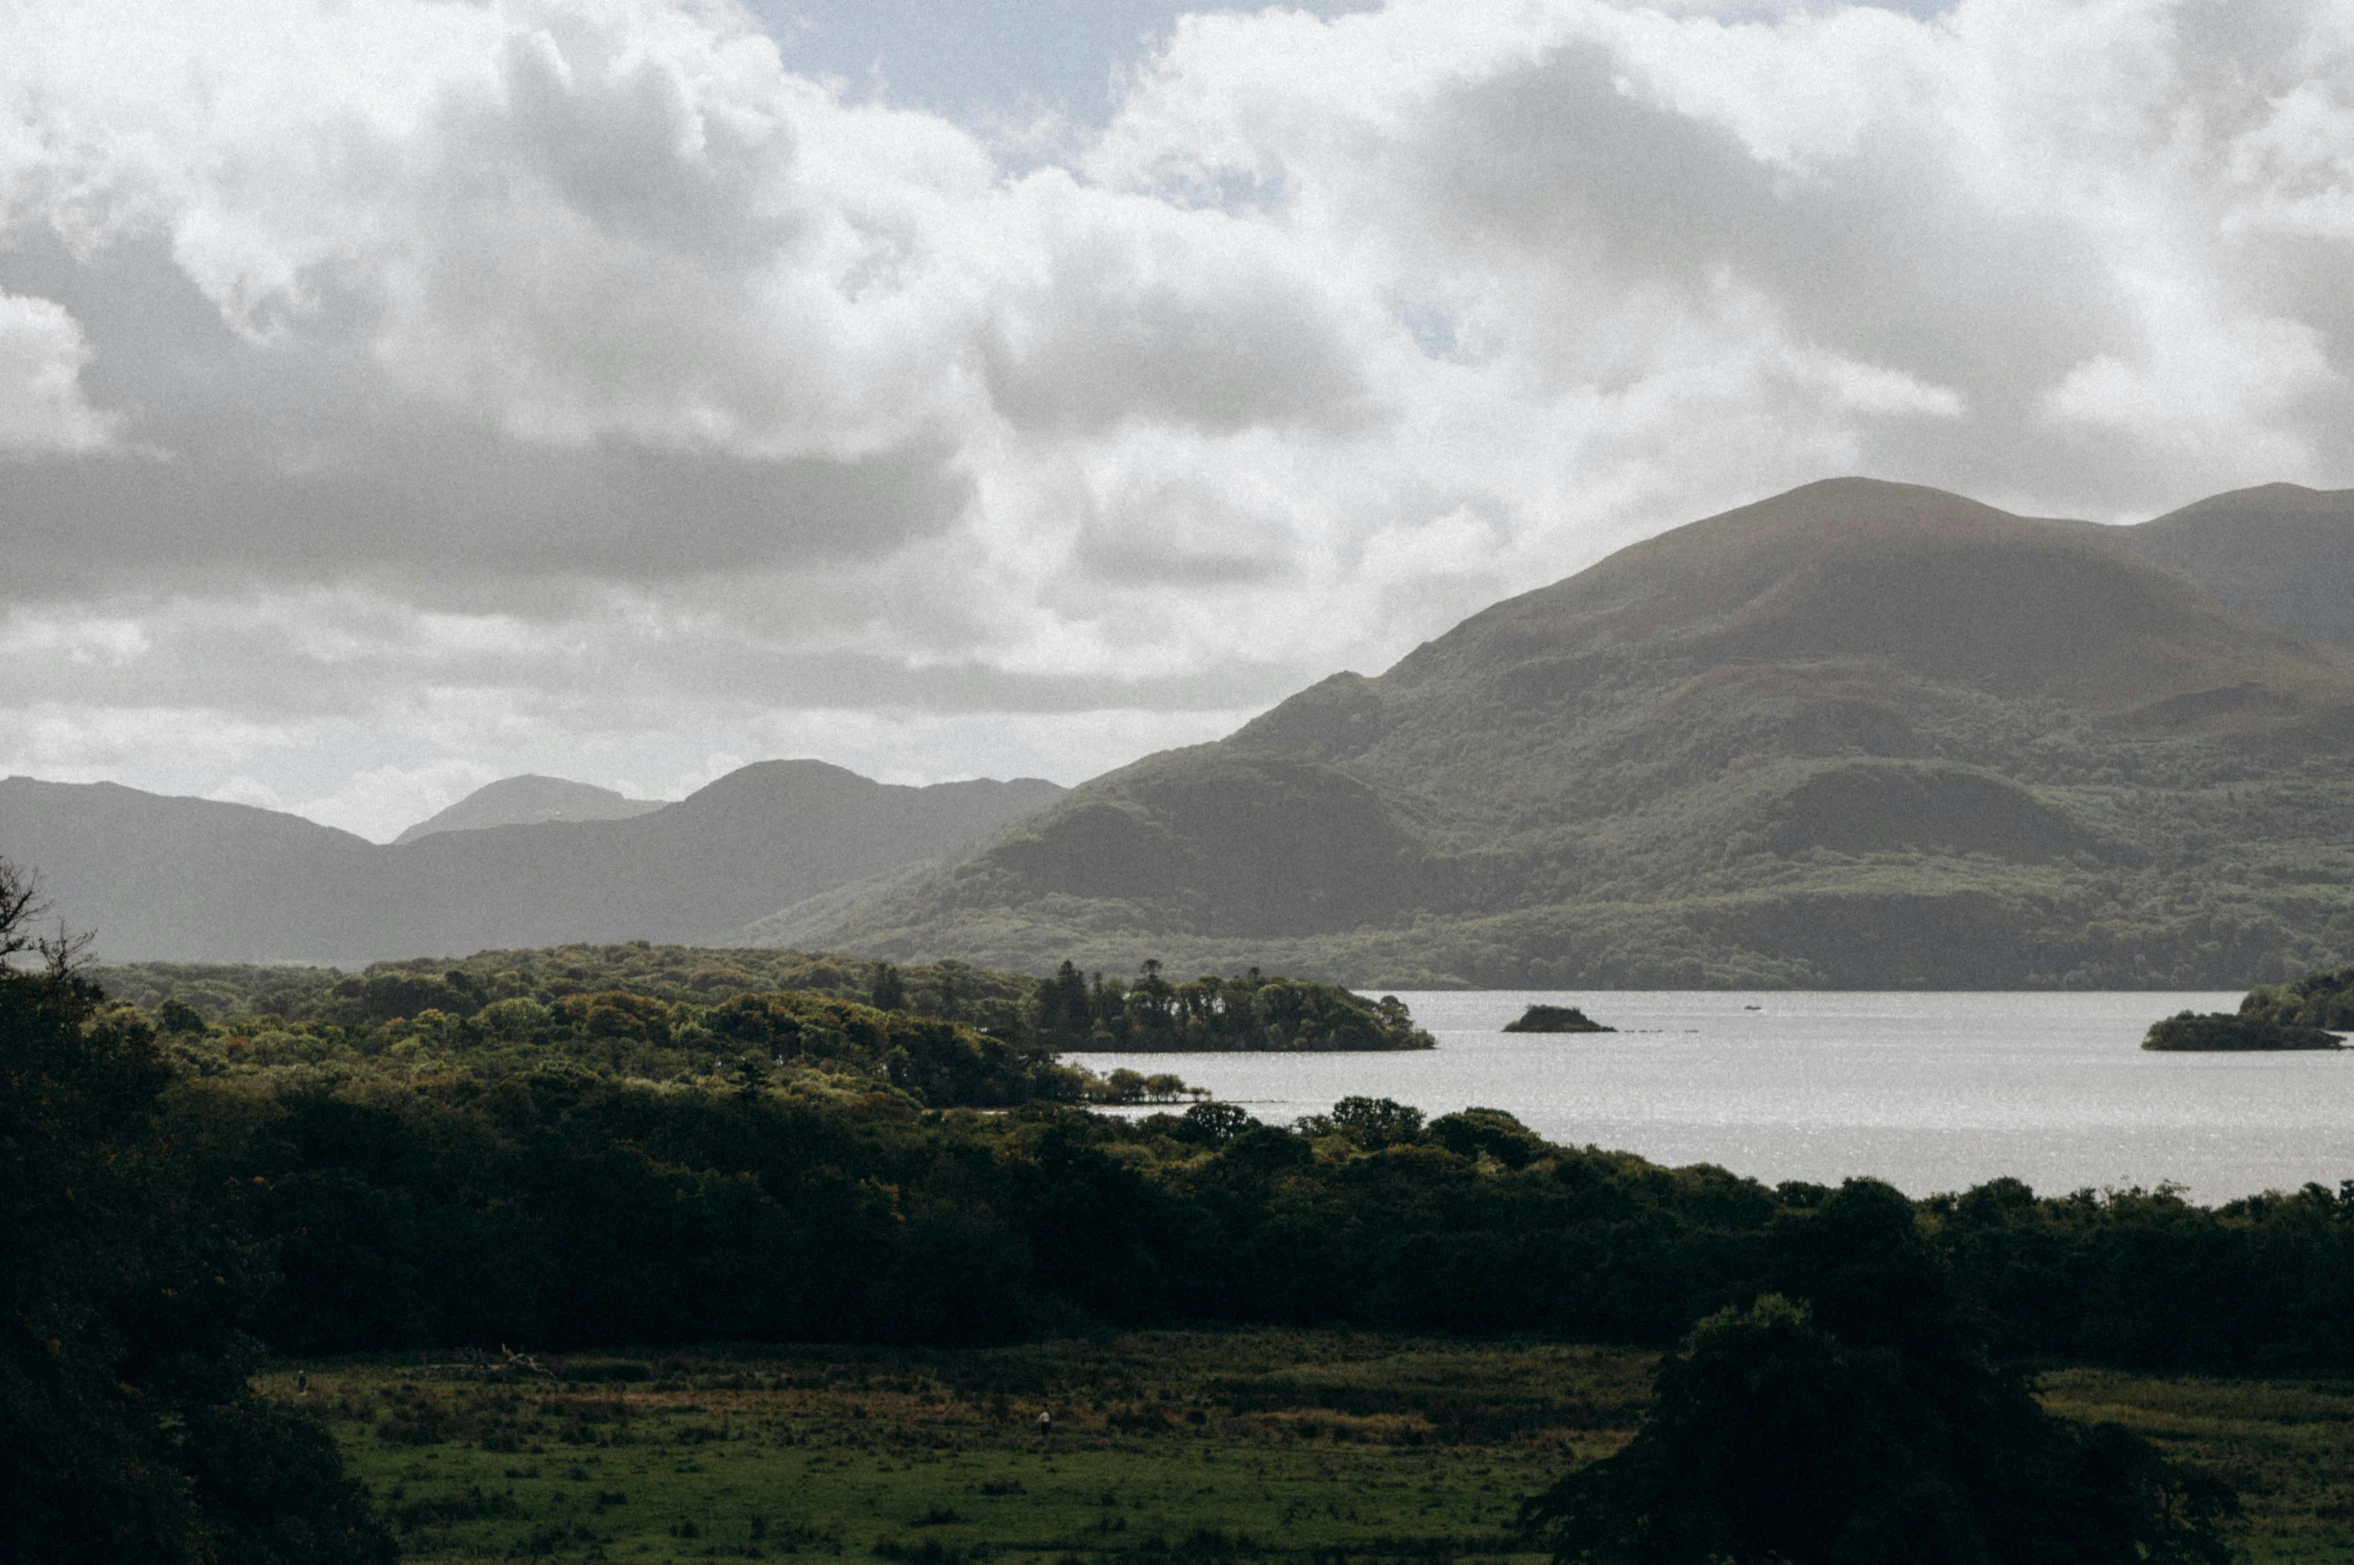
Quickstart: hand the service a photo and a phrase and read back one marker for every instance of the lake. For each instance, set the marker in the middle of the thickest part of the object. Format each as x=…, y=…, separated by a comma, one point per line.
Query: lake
x=1931, y=1092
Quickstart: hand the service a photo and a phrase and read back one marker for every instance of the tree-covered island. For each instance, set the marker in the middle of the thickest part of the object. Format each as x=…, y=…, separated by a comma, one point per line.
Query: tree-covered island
x=1555, y=1018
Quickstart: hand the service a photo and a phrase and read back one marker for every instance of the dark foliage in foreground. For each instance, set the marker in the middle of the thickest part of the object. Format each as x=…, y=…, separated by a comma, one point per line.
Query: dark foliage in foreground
x=128, y=1434
x=603, y=1188
x=1870, y=1429
x=563, y=1209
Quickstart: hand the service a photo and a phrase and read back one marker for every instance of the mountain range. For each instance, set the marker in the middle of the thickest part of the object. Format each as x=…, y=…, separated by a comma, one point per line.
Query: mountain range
x=1861, y=734
x=170, y=879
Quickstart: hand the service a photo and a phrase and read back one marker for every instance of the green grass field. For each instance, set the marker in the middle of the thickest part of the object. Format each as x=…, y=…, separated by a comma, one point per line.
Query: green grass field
x=2288, y=1445
x=1315, y=1446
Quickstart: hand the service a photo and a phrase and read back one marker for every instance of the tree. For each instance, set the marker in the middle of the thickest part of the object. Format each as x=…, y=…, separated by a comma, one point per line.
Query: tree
x=129, y=1432
x=1473, y=1131
x=1214, y=1124
x=1151, y=1000
x=1775, y=1440
x=1372, y=1123
x=1060, y=1012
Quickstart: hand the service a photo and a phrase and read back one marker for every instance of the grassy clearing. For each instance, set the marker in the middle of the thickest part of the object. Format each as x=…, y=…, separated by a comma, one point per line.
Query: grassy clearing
x=2287, y=1445
x=1311, y=1446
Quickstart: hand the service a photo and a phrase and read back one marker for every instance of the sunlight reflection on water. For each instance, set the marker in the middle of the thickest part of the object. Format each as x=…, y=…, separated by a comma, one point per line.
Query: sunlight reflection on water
x=1928, y=1091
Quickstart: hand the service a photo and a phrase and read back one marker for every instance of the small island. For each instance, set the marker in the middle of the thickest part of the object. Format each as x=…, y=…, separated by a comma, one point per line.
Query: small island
x=1555, y=1018
x=2189, y=1032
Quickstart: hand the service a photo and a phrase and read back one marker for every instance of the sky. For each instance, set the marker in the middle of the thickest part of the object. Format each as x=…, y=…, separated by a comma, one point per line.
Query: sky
x=400, y=394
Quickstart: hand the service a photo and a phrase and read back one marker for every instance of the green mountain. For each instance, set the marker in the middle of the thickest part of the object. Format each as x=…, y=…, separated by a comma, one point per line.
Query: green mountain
x=2281, y=553
x=1862, y=734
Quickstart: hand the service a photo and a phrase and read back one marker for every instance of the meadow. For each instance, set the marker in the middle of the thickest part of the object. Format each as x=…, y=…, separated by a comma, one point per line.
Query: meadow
x=1315, y=1446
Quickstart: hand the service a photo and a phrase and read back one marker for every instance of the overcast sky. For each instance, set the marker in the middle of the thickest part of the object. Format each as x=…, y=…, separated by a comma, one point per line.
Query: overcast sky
x=399, y=394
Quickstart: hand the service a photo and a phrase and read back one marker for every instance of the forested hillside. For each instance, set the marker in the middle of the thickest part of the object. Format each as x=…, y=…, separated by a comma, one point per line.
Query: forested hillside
x=1860, y=735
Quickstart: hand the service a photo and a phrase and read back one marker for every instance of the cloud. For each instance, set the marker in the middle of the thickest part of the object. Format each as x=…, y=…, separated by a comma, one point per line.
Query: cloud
x=397, y=390
x=1136, y=311
x=42, y=355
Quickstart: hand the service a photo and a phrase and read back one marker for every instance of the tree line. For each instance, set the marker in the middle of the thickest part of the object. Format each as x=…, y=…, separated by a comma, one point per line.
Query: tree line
x=556, y=1201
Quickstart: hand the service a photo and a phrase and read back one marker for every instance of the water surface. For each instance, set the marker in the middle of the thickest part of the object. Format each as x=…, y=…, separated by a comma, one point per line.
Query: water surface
x=1931, y=1092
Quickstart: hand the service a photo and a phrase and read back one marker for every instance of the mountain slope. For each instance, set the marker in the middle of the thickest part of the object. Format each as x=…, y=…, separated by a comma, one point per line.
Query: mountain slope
x=192, y=880
x=2280, y=553
x=530, y=801
x=199, y=880
x=1859, y=734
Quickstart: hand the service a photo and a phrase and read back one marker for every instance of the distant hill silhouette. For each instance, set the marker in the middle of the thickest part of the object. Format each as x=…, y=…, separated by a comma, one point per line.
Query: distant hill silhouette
x=1860, y=734
x=530, y=801
x=2280, y=553
x=192, y=880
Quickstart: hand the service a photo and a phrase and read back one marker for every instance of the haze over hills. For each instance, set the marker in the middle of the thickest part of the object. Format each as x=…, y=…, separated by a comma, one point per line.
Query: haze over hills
x=531, y=801
x=1860, y=734
x=193, y=880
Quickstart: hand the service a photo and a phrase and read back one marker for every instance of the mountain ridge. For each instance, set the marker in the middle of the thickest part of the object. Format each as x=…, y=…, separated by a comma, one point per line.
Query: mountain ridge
x=1980, y=750
x=159, y=878
x=2282, y=552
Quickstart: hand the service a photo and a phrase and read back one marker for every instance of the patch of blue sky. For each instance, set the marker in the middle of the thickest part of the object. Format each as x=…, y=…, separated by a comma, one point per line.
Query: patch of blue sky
x=975, y=61
x=1227, y=187
x=1432, y=329
x=993, y=64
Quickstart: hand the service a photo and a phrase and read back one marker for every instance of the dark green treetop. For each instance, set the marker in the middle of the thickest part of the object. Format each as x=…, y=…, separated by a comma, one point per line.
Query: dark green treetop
x=1864, y=1424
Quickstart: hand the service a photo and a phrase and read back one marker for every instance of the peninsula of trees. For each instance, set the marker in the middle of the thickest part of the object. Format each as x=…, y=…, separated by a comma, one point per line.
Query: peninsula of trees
x=945, y=1035
x=2303, y=1014
x=2187, y=1032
